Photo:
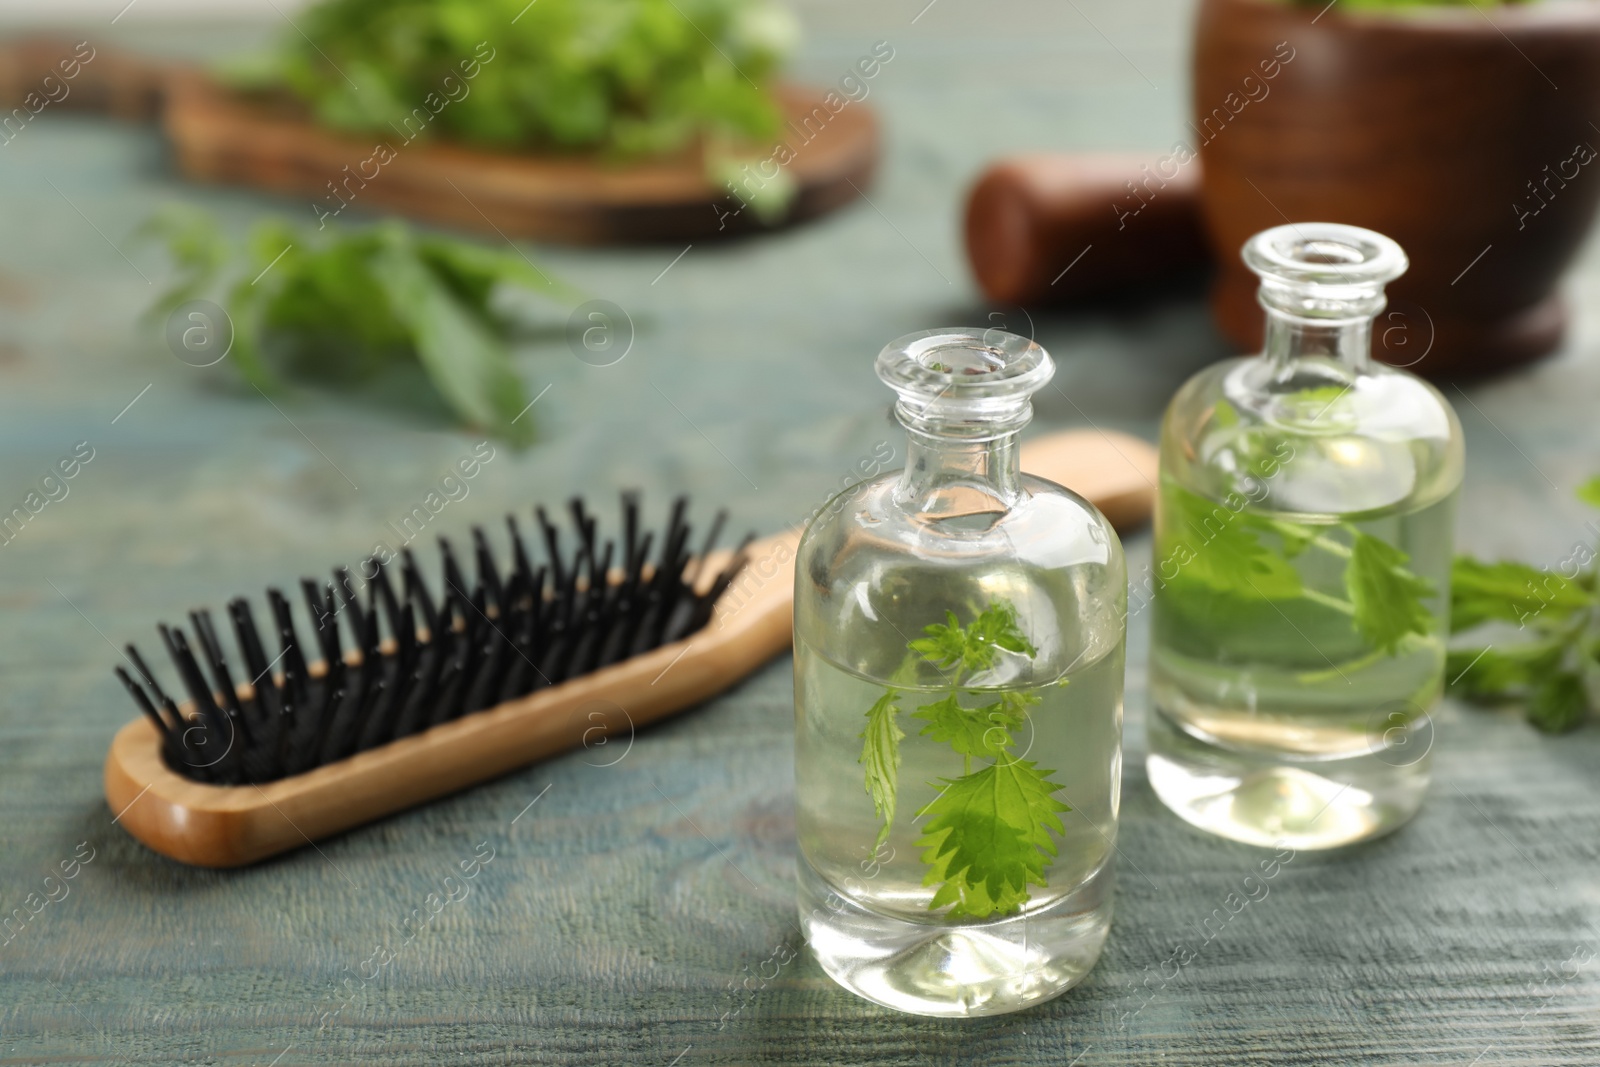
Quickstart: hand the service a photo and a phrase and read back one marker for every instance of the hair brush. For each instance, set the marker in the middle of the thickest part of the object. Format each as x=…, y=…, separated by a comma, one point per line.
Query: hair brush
x=439, y=689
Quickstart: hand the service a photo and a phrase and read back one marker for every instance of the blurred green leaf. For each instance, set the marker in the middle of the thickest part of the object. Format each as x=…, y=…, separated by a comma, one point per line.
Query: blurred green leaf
x=1388, y=598
x=1589, y=492
x=629, y=77
x=1552, y=672
x=473, y=272
x=339, y=306
x=1500, y=673
x=196, y=246
x=464, y=360
x=1559, y=703
x=1509, y=592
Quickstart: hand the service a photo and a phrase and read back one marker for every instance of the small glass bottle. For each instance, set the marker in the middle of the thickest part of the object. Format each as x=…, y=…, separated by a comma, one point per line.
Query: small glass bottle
x=1301, y=574
x=958, y=702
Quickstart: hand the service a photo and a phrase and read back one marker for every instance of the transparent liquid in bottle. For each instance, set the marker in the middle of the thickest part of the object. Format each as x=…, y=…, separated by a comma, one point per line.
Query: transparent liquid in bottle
x=1301, y=571
x=960, y=536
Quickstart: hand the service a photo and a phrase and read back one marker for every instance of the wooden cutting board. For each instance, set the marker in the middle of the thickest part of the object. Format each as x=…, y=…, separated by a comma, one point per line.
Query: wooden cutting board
x=222, y=136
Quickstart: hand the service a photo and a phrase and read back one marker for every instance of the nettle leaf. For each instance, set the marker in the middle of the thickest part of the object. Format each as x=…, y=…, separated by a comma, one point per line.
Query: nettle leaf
x=463, y=358
x=1294, y=537
x=963, y=729
x=196, y=246
x=983, y=731
x=1553, y=671
x=641, y=77
x=1388, y=598
x=1509, y=592
x=473, y=272
x=1310, y=405
x=946, y=644
x=1499, y=673
x=769, y=201
x=997, y=625
x=880, y=755
x=329, y=317
x=1560, y=703
x=988, y=837
x=246, y=305
x=1225, y=549
x=339, y=306
x=1014, y=704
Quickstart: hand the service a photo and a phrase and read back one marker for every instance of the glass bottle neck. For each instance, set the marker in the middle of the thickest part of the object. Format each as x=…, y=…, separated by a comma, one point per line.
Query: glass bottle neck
x=1290, y=338
x=952, y=476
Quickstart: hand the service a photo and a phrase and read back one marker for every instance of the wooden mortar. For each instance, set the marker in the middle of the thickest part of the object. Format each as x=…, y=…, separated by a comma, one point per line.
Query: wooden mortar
x=1467, y=135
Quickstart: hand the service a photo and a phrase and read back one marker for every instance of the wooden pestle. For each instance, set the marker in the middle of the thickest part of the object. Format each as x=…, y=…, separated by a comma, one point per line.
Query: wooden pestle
x=1051, y=228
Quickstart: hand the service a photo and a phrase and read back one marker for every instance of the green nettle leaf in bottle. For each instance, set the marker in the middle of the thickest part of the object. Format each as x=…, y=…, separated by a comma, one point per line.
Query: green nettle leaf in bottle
x=958, y=696
x=1301, y=576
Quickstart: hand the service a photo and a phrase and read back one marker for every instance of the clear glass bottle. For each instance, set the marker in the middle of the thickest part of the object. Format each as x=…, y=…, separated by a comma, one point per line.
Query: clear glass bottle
x=958, y=702
x=1301, y=574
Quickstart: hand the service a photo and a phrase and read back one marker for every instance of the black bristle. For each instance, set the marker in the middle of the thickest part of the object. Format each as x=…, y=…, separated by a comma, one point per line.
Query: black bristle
x=522, y=582
x=167, y=706
x=455, y=582
x=383, y=594
x=177, y=734
x=400, y=669
x=349, y=710
x=692, y=577
x=264, y=705
x=454, y=676
x=169, y=740
x=210, y=740
x=352, y=603
x=249, y=639
x=552, y=547
x=291, y=659
x=206, y=635
x=488, y=574
x=324, y=620
x=294, y=709
x=463, y=649
x=518, y=678
x=417, y=591
x=413, y=715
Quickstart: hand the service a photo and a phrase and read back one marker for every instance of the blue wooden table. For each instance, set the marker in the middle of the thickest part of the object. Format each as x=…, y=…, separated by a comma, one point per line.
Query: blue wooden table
x=638, y=905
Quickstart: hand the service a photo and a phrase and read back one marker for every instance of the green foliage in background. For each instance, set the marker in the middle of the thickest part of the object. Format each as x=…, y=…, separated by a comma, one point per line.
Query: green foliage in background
x=1553, y=665
x=626, y=77
x=339, y=307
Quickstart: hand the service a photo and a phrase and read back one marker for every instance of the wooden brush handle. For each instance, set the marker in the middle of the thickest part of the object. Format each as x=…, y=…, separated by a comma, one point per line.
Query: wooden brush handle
x=215, y=826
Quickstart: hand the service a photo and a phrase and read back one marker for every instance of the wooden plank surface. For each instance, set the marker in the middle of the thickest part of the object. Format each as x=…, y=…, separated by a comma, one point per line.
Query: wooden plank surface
x=639, y=910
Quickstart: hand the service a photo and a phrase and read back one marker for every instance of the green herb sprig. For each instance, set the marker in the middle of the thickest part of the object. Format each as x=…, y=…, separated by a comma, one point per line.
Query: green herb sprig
x=629, y=77
x=1246, y=557
x=988, y=834
x=1555, y=668
x=340, y=306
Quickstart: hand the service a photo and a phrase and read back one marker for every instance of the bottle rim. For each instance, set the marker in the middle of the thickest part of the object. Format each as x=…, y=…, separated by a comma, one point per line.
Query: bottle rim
x=1325, y=254
x=959, y=365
